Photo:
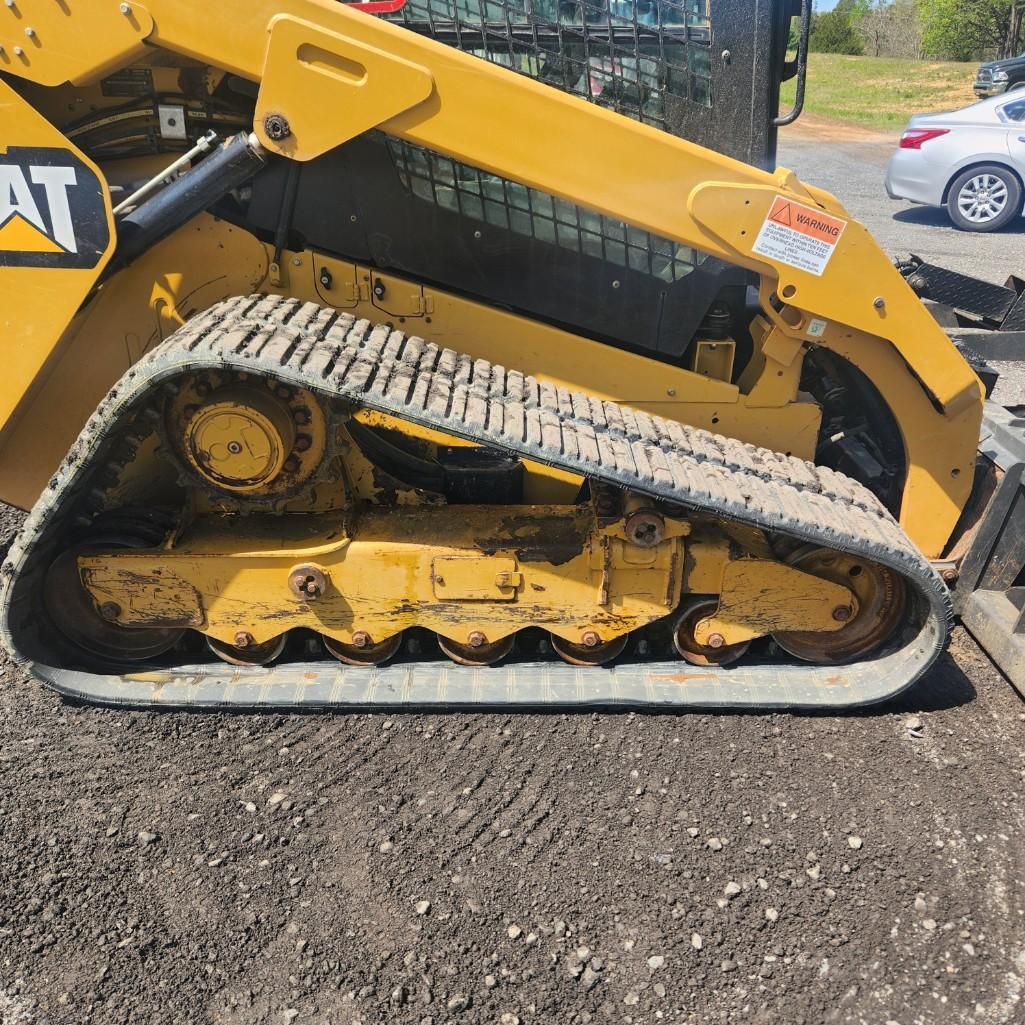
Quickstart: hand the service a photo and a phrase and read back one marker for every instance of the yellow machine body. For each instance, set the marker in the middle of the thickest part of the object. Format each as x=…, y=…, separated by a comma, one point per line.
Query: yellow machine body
x=313, y=55
x=288, y=524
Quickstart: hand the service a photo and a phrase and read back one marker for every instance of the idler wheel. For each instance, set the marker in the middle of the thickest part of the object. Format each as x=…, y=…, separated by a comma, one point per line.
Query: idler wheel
x=882, y=599
x=94, y=629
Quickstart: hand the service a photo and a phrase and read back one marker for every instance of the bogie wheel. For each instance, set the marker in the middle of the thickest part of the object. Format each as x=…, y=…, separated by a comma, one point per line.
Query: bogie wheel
x=881, y=595
x=584, y=655
x=367, y=654
x=483, y=654
x=687, y=646
x=251, y=654
x=75, y=614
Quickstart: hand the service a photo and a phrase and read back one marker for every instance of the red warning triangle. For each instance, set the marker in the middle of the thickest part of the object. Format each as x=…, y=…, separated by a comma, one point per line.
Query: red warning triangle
x=782, y=215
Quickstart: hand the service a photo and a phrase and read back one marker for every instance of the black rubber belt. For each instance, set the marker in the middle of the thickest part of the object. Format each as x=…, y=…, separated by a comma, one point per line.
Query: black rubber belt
x=302, y=344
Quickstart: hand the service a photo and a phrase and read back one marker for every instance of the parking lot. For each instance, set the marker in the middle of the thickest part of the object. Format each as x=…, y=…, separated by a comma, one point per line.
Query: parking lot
x=427, y=869
x=851, y=163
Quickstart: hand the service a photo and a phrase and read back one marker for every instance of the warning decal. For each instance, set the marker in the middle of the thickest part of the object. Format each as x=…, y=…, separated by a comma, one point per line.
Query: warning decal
x=799, y=236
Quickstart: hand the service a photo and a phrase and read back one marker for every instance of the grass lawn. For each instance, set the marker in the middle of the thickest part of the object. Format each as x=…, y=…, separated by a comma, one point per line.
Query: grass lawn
x=882, y=92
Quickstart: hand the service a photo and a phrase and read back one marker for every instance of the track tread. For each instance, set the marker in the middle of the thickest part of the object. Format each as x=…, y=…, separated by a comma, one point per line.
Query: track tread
x=403, y=375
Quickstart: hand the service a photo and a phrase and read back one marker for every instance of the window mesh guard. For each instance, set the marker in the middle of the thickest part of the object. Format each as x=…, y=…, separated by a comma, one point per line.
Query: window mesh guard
x=510, y=206
x=641, y=58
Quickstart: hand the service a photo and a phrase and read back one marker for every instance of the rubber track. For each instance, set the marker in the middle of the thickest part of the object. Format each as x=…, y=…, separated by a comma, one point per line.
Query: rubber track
x=373, y=366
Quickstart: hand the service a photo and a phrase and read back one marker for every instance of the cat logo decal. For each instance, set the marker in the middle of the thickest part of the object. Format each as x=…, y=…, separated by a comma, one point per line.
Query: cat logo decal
x=52, y=210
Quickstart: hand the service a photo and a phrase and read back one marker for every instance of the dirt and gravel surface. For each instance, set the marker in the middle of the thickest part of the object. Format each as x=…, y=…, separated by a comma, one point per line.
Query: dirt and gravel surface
x=792, y=869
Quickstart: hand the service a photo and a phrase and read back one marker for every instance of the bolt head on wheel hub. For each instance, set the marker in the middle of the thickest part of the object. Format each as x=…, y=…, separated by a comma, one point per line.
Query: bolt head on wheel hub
x=715, y=652
x=364, y=650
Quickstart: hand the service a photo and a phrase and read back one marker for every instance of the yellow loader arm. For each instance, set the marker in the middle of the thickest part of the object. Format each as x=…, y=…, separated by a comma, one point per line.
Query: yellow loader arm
x=328, y=73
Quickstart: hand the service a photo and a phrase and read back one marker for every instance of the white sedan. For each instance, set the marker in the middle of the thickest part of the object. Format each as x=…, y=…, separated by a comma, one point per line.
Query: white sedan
x=970, y=161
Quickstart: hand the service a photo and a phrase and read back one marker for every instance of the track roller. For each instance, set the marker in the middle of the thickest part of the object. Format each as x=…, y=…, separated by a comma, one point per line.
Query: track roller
x=596, y=654
x=248, y=653
x=363, y=651
x=687, y=646
x=478, y=651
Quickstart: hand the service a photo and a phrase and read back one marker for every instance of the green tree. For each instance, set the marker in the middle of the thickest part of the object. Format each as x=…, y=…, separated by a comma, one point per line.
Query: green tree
x=969, y=30
x=836, y=31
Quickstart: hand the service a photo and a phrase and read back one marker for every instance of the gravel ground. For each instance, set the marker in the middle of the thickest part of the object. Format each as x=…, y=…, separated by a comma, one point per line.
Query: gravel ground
x=531, y=868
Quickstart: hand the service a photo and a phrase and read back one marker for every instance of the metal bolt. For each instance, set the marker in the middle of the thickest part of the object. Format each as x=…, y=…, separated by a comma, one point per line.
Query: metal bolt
x=18, y=51
x=325, y=278
x=291, y=465
x=283, y=391
x=303, y=443
x=645, y=529
x=591, y=639
x=361, y=639
x=234, y=447
x=276, y=127
x=842, y=613
x=124, y=8
x=202, y=388
x=716, y=640
x=30, y=32
x=615, y=284
x=726, y=56
x=950, y=575
x=879, y=302
x=302, y=417
x=297, y=261
x=476, y=234
x=243, y=639
x=110, y=610
x=476, y=639
x=307, y=582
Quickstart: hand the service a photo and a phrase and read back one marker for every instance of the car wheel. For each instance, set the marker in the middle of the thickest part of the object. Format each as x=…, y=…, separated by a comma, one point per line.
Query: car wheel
x=984, y=199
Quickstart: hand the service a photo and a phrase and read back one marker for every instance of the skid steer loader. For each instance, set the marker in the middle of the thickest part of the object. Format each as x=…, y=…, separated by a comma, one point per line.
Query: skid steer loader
x=266, y=270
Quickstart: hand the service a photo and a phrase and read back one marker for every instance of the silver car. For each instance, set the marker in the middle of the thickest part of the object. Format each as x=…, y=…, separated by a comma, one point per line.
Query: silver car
x=970, y=161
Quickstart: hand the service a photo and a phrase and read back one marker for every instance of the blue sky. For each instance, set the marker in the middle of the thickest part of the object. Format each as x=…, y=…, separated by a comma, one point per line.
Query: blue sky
x=825, y=5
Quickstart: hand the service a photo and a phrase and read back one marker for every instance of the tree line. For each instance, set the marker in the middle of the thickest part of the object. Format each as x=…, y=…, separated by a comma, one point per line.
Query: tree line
x=958, y=30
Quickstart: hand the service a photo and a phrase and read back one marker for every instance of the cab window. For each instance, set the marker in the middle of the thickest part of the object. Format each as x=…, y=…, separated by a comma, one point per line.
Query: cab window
x=1014, y=111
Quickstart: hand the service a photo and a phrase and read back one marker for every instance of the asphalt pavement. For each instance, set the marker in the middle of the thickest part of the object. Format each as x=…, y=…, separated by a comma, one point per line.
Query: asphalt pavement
x=851, y=164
